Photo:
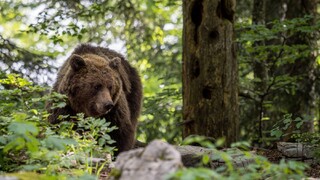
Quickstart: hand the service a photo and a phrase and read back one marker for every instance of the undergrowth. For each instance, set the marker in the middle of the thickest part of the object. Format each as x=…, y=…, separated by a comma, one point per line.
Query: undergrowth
x=32, y=148
x=258, y=168
x=29, y=144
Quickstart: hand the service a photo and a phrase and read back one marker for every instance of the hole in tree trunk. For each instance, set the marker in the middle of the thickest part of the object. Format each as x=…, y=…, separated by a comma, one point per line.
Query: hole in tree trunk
x=195, y=70
x=206, y=92
x=214, y=34
x=196, y=17
x=196, y=12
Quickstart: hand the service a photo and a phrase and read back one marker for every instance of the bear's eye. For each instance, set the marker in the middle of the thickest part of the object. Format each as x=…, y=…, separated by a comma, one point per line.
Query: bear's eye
x=109, y=87
x=98, y=87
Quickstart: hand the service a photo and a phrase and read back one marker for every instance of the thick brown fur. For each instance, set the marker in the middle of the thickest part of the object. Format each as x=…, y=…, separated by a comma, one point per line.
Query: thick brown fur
x=100, y=82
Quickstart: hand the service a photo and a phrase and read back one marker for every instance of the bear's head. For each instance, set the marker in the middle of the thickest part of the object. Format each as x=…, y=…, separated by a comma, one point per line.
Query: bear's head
x=94, y=84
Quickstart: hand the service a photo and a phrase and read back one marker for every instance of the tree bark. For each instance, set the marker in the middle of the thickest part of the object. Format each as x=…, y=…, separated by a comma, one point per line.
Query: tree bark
x=210, y=74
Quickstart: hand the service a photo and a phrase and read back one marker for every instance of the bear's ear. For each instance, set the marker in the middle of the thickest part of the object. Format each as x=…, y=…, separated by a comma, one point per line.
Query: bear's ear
x=77, y=62
x=115, y=62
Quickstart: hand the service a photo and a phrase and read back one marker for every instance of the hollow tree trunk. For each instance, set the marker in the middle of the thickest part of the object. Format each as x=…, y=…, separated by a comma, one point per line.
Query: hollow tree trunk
x=210, y=74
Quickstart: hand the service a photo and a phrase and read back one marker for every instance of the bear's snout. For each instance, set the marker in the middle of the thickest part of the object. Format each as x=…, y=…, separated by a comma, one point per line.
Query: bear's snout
x=108, y=106
x=97, y=109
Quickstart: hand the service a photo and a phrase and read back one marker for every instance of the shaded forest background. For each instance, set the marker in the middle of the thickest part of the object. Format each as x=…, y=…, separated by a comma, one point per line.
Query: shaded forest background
x=277, y=53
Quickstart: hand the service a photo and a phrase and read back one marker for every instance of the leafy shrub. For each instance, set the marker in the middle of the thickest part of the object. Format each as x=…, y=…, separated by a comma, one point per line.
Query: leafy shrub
x=162, y=117
x=274, y=73
x=282, y=127
x=261, y=168
x=291, y=128
x=29, y=143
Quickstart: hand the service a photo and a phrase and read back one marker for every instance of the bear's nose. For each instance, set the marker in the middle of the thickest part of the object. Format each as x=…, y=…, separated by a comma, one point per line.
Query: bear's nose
x=108, y=106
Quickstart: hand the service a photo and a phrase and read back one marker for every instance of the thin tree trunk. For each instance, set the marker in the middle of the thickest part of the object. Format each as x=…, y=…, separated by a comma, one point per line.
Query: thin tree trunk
x=259, y=66
x=302, y=103
x=305, y=98
x=210, y=74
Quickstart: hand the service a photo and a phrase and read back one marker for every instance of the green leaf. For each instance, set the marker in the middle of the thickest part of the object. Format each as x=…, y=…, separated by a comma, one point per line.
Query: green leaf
x=23, y=128
x=277, y=133
x=286, y=121
x=205, y=159
x=31, y=167
x=19, y=116
x=34, y=111
x=3, y=140
x=17, y=143
x=32, y=143
x=299, y=124
x=61, y=105
x=101, y=141
x=195, y=173
x=220, y=142
x=55, y=142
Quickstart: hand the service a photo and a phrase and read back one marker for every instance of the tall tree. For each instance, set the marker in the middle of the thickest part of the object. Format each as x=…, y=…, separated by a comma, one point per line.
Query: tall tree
x=301, y=103
x=210, y=75
x=305, y=66
x=259, y=66
x=277, y=66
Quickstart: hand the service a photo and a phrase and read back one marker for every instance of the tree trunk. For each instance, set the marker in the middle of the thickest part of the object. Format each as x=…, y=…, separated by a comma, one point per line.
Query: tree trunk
x=210, y=70
x=303, y=102
x=275, y=10
x=304, y=67
x=259, y=66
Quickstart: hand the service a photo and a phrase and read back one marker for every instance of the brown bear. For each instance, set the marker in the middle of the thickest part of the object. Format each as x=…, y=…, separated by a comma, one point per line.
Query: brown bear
x=100, y=83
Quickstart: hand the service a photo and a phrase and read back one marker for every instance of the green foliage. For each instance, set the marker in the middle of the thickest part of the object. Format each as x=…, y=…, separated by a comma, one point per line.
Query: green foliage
x=92, y=128
x=291, y=128
x=150, y=33
x=261, y=168
x=161, y=116
x=29, y=143
x=274, y=59
x=195, y=174
x=281, y=128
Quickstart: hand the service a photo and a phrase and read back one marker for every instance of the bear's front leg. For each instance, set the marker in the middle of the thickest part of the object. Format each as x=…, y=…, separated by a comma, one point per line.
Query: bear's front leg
x=125, y=134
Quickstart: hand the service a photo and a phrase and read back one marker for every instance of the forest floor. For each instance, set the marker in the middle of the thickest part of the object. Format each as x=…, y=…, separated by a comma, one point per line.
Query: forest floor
x=275, y=156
